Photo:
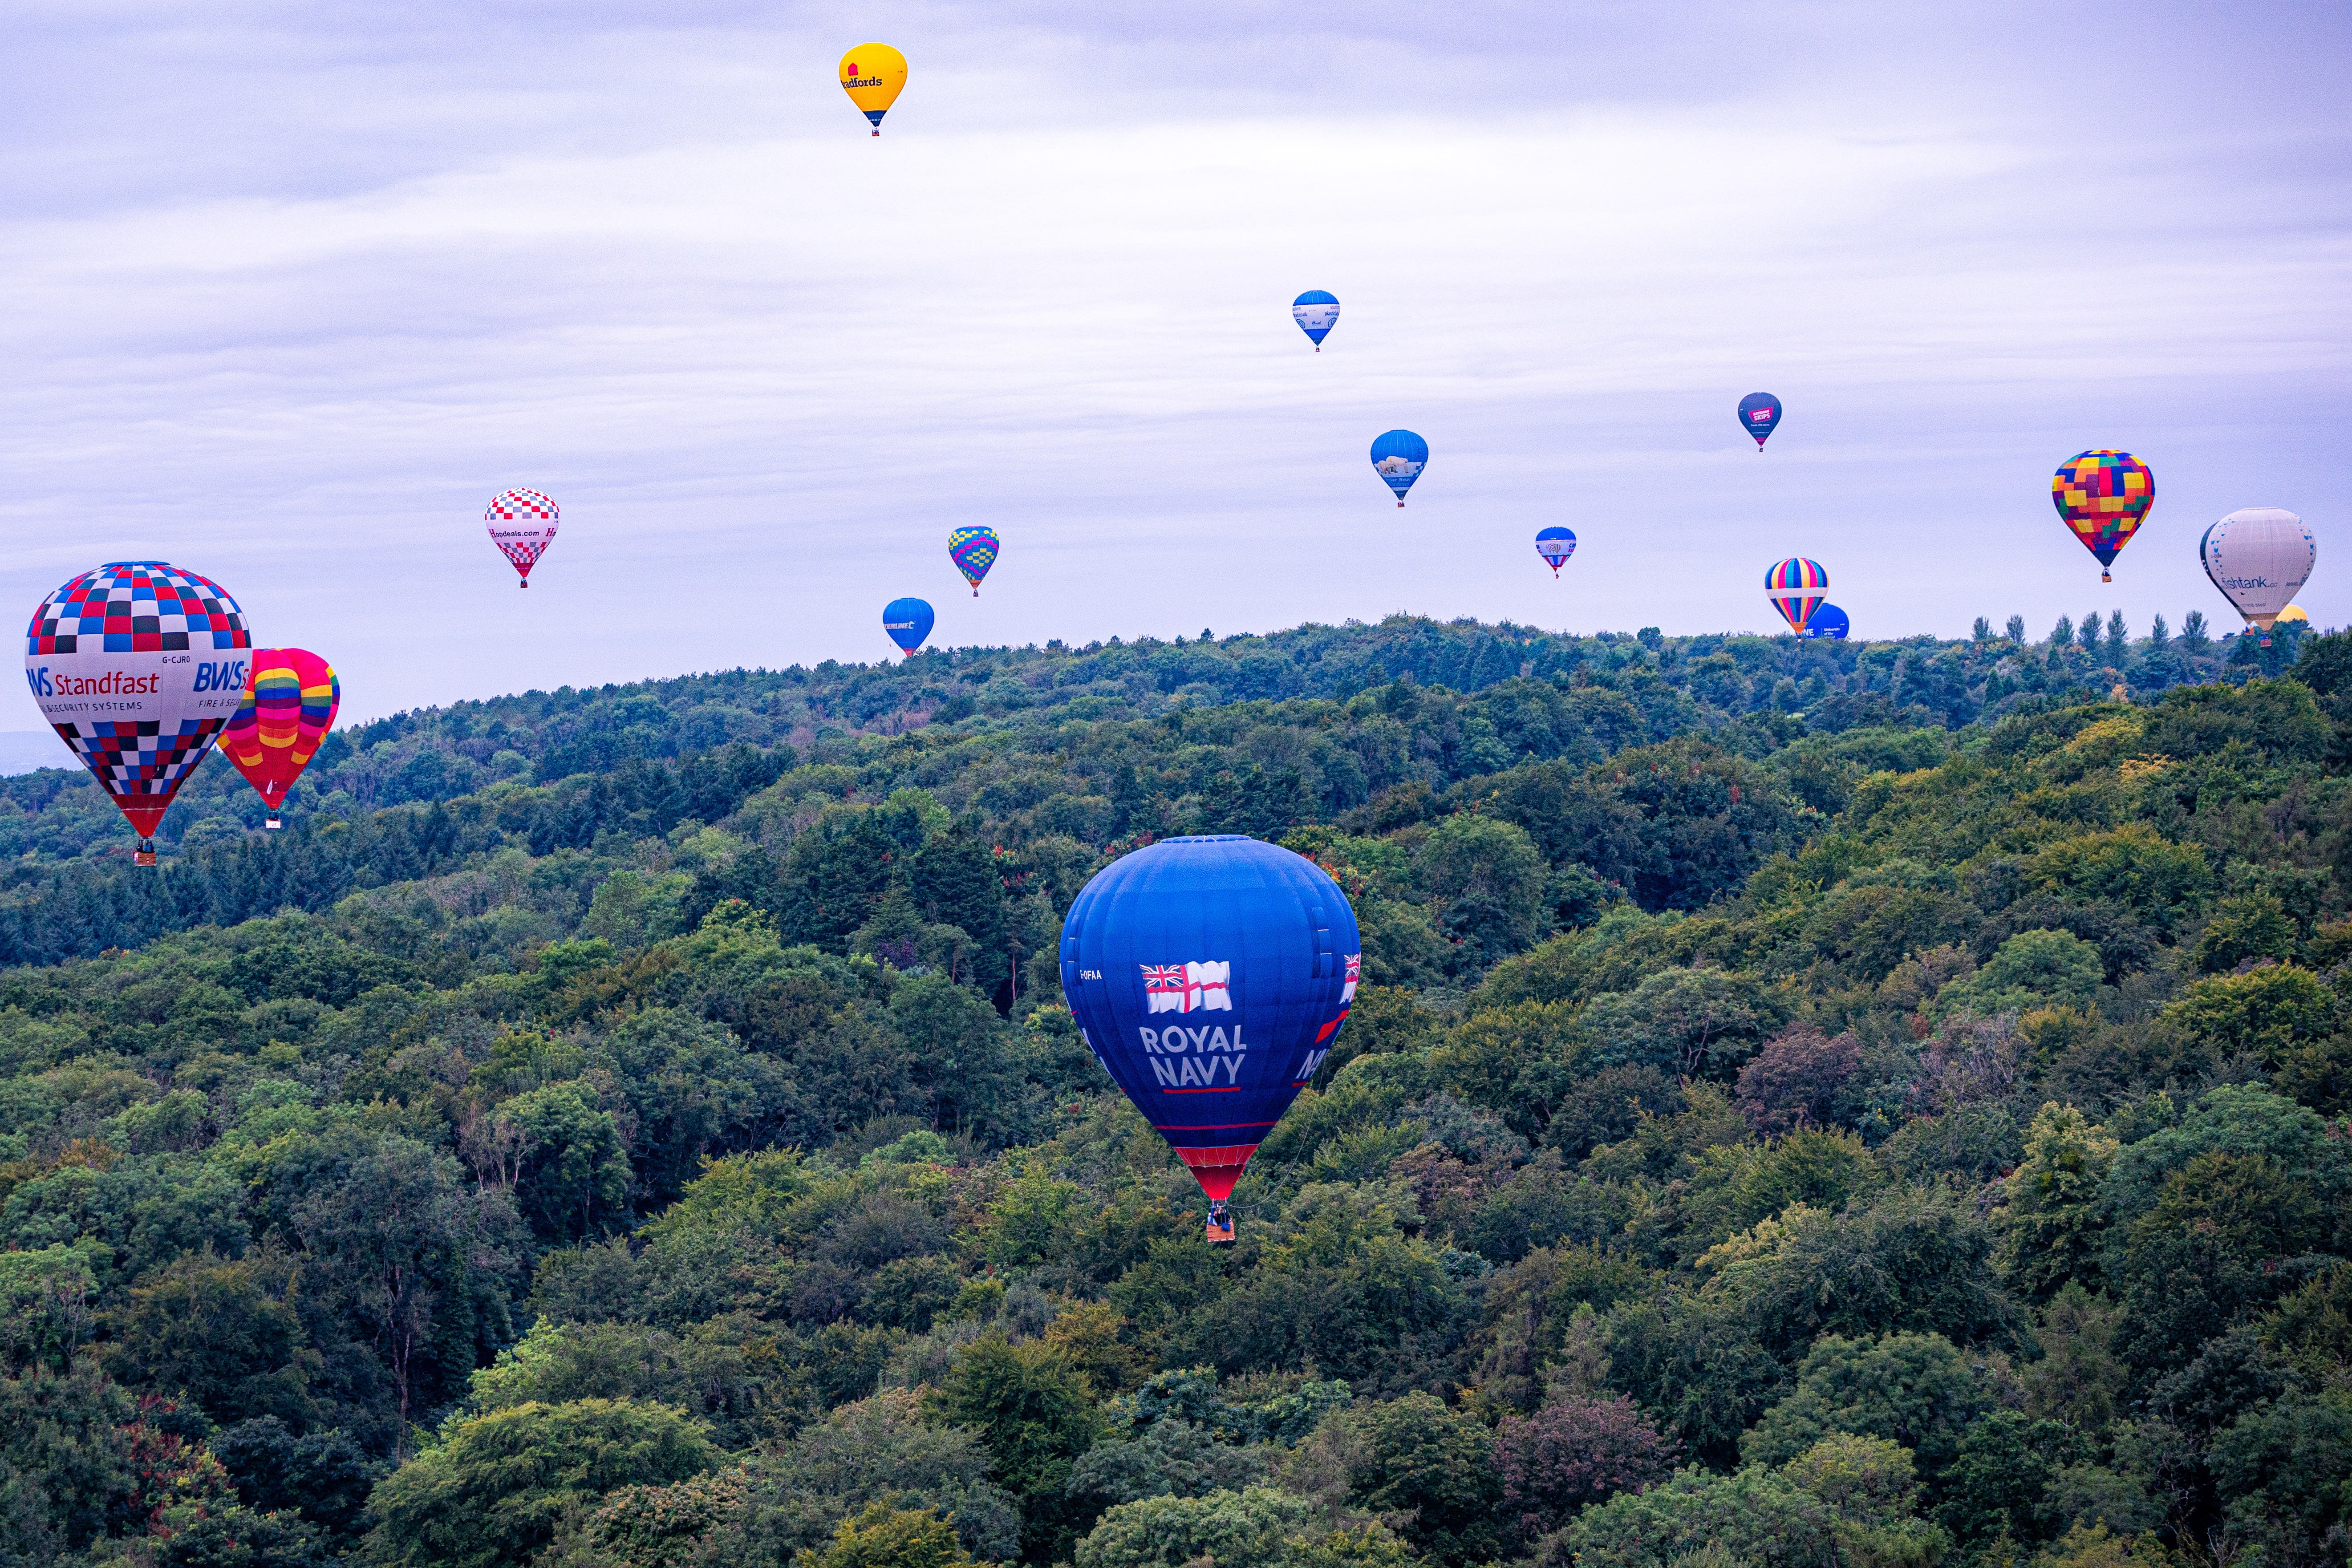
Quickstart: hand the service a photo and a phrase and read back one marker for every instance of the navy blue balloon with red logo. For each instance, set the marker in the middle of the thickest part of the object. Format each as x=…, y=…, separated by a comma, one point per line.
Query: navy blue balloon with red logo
x=1210, y=977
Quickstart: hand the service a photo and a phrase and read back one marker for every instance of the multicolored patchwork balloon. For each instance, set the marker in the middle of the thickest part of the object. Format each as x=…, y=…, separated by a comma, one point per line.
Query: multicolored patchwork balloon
x=1759, y=413
x=1795, y=586
x=1554, y=545
x=2103, y=496
x=523, y=525
x=908, y=622
x=138, y=664
x=872, y=75
x=288, y=706
x=1398, y=457
x=973, y=550
x=1317, y=313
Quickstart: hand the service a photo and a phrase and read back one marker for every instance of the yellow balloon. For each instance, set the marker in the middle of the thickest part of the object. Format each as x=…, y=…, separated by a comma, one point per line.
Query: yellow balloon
x=872, y=75
x=2293, y=613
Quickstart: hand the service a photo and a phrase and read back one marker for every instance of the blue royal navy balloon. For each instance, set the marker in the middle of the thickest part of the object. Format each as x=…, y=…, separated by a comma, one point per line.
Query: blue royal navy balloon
x=1317, y=313
x=1554, y=545
x=908, y=622
x=1398, y=457
x=1759, y=413
x=1829, y=621
x=1210, y=977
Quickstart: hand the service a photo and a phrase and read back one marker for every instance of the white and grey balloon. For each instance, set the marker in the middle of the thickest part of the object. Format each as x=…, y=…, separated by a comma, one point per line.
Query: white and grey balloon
x=2260, y=557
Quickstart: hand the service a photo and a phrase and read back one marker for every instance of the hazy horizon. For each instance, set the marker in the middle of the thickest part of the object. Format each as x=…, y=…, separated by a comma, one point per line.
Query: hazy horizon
x=299, y=292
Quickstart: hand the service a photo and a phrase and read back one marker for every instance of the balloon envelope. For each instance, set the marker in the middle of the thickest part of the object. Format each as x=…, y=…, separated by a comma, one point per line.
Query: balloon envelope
x=908, y=622
x=1317, y=313
x=1554, y=545
x=1795, y=586
x=287, y=709
x=523, y=525
x=1210, y=977
x=1829, y=621
x=2260, y=557
x=1398, y=457
x=2103, y=496
x=1759, y=413
x=872, y=75
x=973, y=550
x=138, y=664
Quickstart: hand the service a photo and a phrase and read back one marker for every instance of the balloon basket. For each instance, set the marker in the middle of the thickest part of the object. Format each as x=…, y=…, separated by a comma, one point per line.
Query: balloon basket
x=145, y=854
x=273, y=825
x=2106, y=577
x=1219, y=1229
x=524, y=583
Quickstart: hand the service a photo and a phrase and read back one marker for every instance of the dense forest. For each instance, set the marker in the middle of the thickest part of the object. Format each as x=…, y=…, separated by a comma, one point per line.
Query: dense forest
x=1812, y=1105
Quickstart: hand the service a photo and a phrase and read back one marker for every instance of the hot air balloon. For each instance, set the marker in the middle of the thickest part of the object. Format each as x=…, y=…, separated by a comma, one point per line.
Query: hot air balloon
x=1829, y=621
x=2260, y=557
x=872, y=75
x=1398, y=457
x=523, y=525
x=2103, y=496
x=1317, y=313
x=1554, y=545
x=1210, y=977
x=908, y=622
x=287, y=706
x=2295, y=613
x=1795, y=586
x=1759, y=413
x=973, y=550
x=137, y=665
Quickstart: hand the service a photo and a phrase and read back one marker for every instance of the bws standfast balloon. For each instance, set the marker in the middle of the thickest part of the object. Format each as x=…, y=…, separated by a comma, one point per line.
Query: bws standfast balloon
x=2260, y=557
x=908, y=622
x=1829, y=621
x=872, y=75
x=1795, y=587
x=2103, y=496
x=973, y=550
x=523, y=525
x=137, y=665
x=1759, y=413
x=1554, y=545
x=1398, y=457
x=1210, y=977
x=287, y=706
x=1317, y=313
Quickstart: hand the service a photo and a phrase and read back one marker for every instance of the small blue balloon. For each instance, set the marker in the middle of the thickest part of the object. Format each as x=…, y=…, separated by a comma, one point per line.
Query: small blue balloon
x=1210, y=977
x=1829, y=621
x=1554, y=545
x=1398, y=457
x=1317, y=313
x=908, y=622
x=1759, y=413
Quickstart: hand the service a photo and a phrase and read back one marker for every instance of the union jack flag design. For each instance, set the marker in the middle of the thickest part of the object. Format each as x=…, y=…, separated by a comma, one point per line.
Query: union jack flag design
x=1188, y=987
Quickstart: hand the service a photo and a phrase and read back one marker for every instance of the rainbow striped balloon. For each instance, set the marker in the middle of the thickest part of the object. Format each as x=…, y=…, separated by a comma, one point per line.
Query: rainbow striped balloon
x=1796, y=587
x=290, y=704
x=973, y=550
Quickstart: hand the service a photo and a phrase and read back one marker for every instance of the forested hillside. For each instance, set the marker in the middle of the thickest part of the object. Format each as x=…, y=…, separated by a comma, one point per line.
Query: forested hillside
x=1854, y=1105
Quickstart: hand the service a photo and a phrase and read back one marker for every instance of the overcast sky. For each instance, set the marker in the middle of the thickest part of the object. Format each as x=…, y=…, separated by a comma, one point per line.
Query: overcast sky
x=293, y=290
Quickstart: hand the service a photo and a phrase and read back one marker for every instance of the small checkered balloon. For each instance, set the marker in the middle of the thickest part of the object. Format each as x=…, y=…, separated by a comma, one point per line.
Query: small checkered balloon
x=973, y=550
x=137, y=665
x=523, y=525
